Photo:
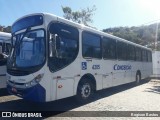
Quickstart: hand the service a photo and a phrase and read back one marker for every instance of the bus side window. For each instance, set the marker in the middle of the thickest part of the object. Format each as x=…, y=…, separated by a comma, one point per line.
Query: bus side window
x=149, y=56
x=1, y=51
x=8, y=47
x=144, y=56
x=3, y=60
x=64, y=45
x=131, y=52
x=91, y=45
x=109, y=48
x=122, y=50
x=138, y=54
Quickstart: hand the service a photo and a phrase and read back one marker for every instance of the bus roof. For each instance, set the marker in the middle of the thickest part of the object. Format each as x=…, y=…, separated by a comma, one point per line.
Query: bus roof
x=83, y=27
x=5, y=37
x=4, y=34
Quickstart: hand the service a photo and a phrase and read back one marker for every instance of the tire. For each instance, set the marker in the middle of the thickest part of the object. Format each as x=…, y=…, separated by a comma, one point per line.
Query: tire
x=138, y=78
x=84, y=91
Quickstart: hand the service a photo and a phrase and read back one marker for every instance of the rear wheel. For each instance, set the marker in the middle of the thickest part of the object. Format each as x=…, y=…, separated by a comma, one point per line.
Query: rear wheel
x=84, y=91
x=138, y=78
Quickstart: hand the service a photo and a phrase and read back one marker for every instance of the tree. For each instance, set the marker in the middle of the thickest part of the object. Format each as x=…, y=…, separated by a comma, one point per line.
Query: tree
x=84, y=16
x=5, y=29
x=67, y=12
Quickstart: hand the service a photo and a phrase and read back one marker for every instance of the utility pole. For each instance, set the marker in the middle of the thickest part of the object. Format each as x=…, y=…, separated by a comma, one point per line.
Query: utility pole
x=156, y=37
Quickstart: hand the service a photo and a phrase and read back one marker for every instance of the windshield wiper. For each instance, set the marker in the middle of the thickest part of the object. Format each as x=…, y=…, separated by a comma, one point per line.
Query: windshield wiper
x=17, y=45
x=23, y=35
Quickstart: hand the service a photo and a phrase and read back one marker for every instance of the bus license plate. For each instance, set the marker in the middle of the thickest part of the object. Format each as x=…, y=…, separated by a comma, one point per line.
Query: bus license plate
x=14, y=90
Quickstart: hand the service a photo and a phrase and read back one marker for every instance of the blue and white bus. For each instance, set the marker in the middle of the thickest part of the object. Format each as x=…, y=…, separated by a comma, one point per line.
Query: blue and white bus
x=5, y=45
x=54, y=58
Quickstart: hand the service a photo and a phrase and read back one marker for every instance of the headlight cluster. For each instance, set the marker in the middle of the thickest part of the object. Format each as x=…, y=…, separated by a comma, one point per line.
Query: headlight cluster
x=35, y=81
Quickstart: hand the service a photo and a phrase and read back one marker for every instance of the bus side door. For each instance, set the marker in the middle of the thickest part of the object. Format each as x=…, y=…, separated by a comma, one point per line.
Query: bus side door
x=107, y=71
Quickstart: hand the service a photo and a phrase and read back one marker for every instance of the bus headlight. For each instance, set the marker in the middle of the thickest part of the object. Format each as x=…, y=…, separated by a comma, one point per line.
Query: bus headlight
x=35, y=81
x=26, y=85
x=38, y=78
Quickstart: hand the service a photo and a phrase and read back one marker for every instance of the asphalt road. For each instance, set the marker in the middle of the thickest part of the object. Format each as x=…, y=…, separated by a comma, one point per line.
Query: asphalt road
x=144, y=97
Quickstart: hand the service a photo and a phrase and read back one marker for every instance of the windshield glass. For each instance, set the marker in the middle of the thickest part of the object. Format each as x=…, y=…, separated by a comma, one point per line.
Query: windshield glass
x=29, y=49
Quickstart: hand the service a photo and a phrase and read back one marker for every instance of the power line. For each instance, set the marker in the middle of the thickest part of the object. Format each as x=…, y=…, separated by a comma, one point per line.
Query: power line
x=151, y=22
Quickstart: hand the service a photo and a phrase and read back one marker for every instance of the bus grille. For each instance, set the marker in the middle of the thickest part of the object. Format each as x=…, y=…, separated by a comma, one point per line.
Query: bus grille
x=17, y=72
x=15, y=83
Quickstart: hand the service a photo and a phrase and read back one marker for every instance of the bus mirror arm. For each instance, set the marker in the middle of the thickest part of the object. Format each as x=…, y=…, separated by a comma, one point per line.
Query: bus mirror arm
x=57, y=42
x=50, y=49
x=57, y=45
x=54, y=45
x=51, y=45
x=5, y=55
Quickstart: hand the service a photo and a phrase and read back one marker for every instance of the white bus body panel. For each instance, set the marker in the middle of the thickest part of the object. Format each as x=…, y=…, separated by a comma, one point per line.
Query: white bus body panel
x=156, y=63
x=107, y=73
x=3, y=76
x=66, y=84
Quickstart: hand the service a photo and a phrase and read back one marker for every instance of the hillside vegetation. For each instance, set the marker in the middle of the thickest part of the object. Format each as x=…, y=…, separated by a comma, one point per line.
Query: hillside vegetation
x=143, y=35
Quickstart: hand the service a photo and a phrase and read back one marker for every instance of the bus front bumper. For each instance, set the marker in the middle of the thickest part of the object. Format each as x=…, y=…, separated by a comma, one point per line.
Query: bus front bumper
x=36, y=93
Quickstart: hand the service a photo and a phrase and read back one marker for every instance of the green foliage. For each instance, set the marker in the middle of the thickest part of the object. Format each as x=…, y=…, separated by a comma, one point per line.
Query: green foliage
x=83, y=16
x=143, y=35
x=67, y=12
x=5, y=29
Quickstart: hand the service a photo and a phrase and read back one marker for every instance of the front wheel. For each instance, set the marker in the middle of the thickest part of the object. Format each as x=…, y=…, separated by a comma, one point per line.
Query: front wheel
x=84, y=91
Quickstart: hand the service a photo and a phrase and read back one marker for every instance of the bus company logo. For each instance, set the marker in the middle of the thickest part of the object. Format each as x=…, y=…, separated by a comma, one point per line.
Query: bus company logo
x=84, y=65
x=6, y=114
x=122, y=67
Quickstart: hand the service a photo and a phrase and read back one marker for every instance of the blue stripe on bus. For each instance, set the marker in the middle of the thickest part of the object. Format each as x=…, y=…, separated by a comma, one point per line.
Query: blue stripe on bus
x=36, y=93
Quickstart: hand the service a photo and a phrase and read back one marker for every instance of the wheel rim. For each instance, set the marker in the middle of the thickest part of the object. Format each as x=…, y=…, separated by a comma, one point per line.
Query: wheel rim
x=86, y=91
x=138, y=77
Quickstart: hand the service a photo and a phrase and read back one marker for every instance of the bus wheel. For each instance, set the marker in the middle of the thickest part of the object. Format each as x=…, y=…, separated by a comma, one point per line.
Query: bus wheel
x=84, y=91
x=138, y=78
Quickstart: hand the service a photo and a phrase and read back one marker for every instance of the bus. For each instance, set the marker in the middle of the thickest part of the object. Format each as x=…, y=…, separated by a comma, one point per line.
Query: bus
x=54, y=58
x=5, y=45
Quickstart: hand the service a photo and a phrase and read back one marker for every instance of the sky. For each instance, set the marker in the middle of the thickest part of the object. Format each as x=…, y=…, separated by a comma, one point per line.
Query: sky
x=109, y=13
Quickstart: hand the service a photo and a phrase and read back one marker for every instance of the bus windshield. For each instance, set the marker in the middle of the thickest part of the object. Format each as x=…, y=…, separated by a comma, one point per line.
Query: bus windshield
x=29, y=49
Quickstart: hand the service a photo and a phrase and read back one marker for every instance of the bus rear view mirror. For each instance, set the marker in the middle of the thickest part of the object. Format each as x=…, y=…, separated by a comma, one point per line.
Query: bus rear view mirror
x=54, y=45
x=50, y=49
x=51, y=45
x=58, y=43
x=0, y=49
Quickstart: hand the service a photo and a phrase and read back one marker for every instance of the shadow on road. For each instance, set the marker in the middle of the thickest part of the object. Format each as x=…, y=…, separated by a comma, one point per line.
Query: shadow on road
x=60, y=105
x=155, y=87
x=3, y=92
